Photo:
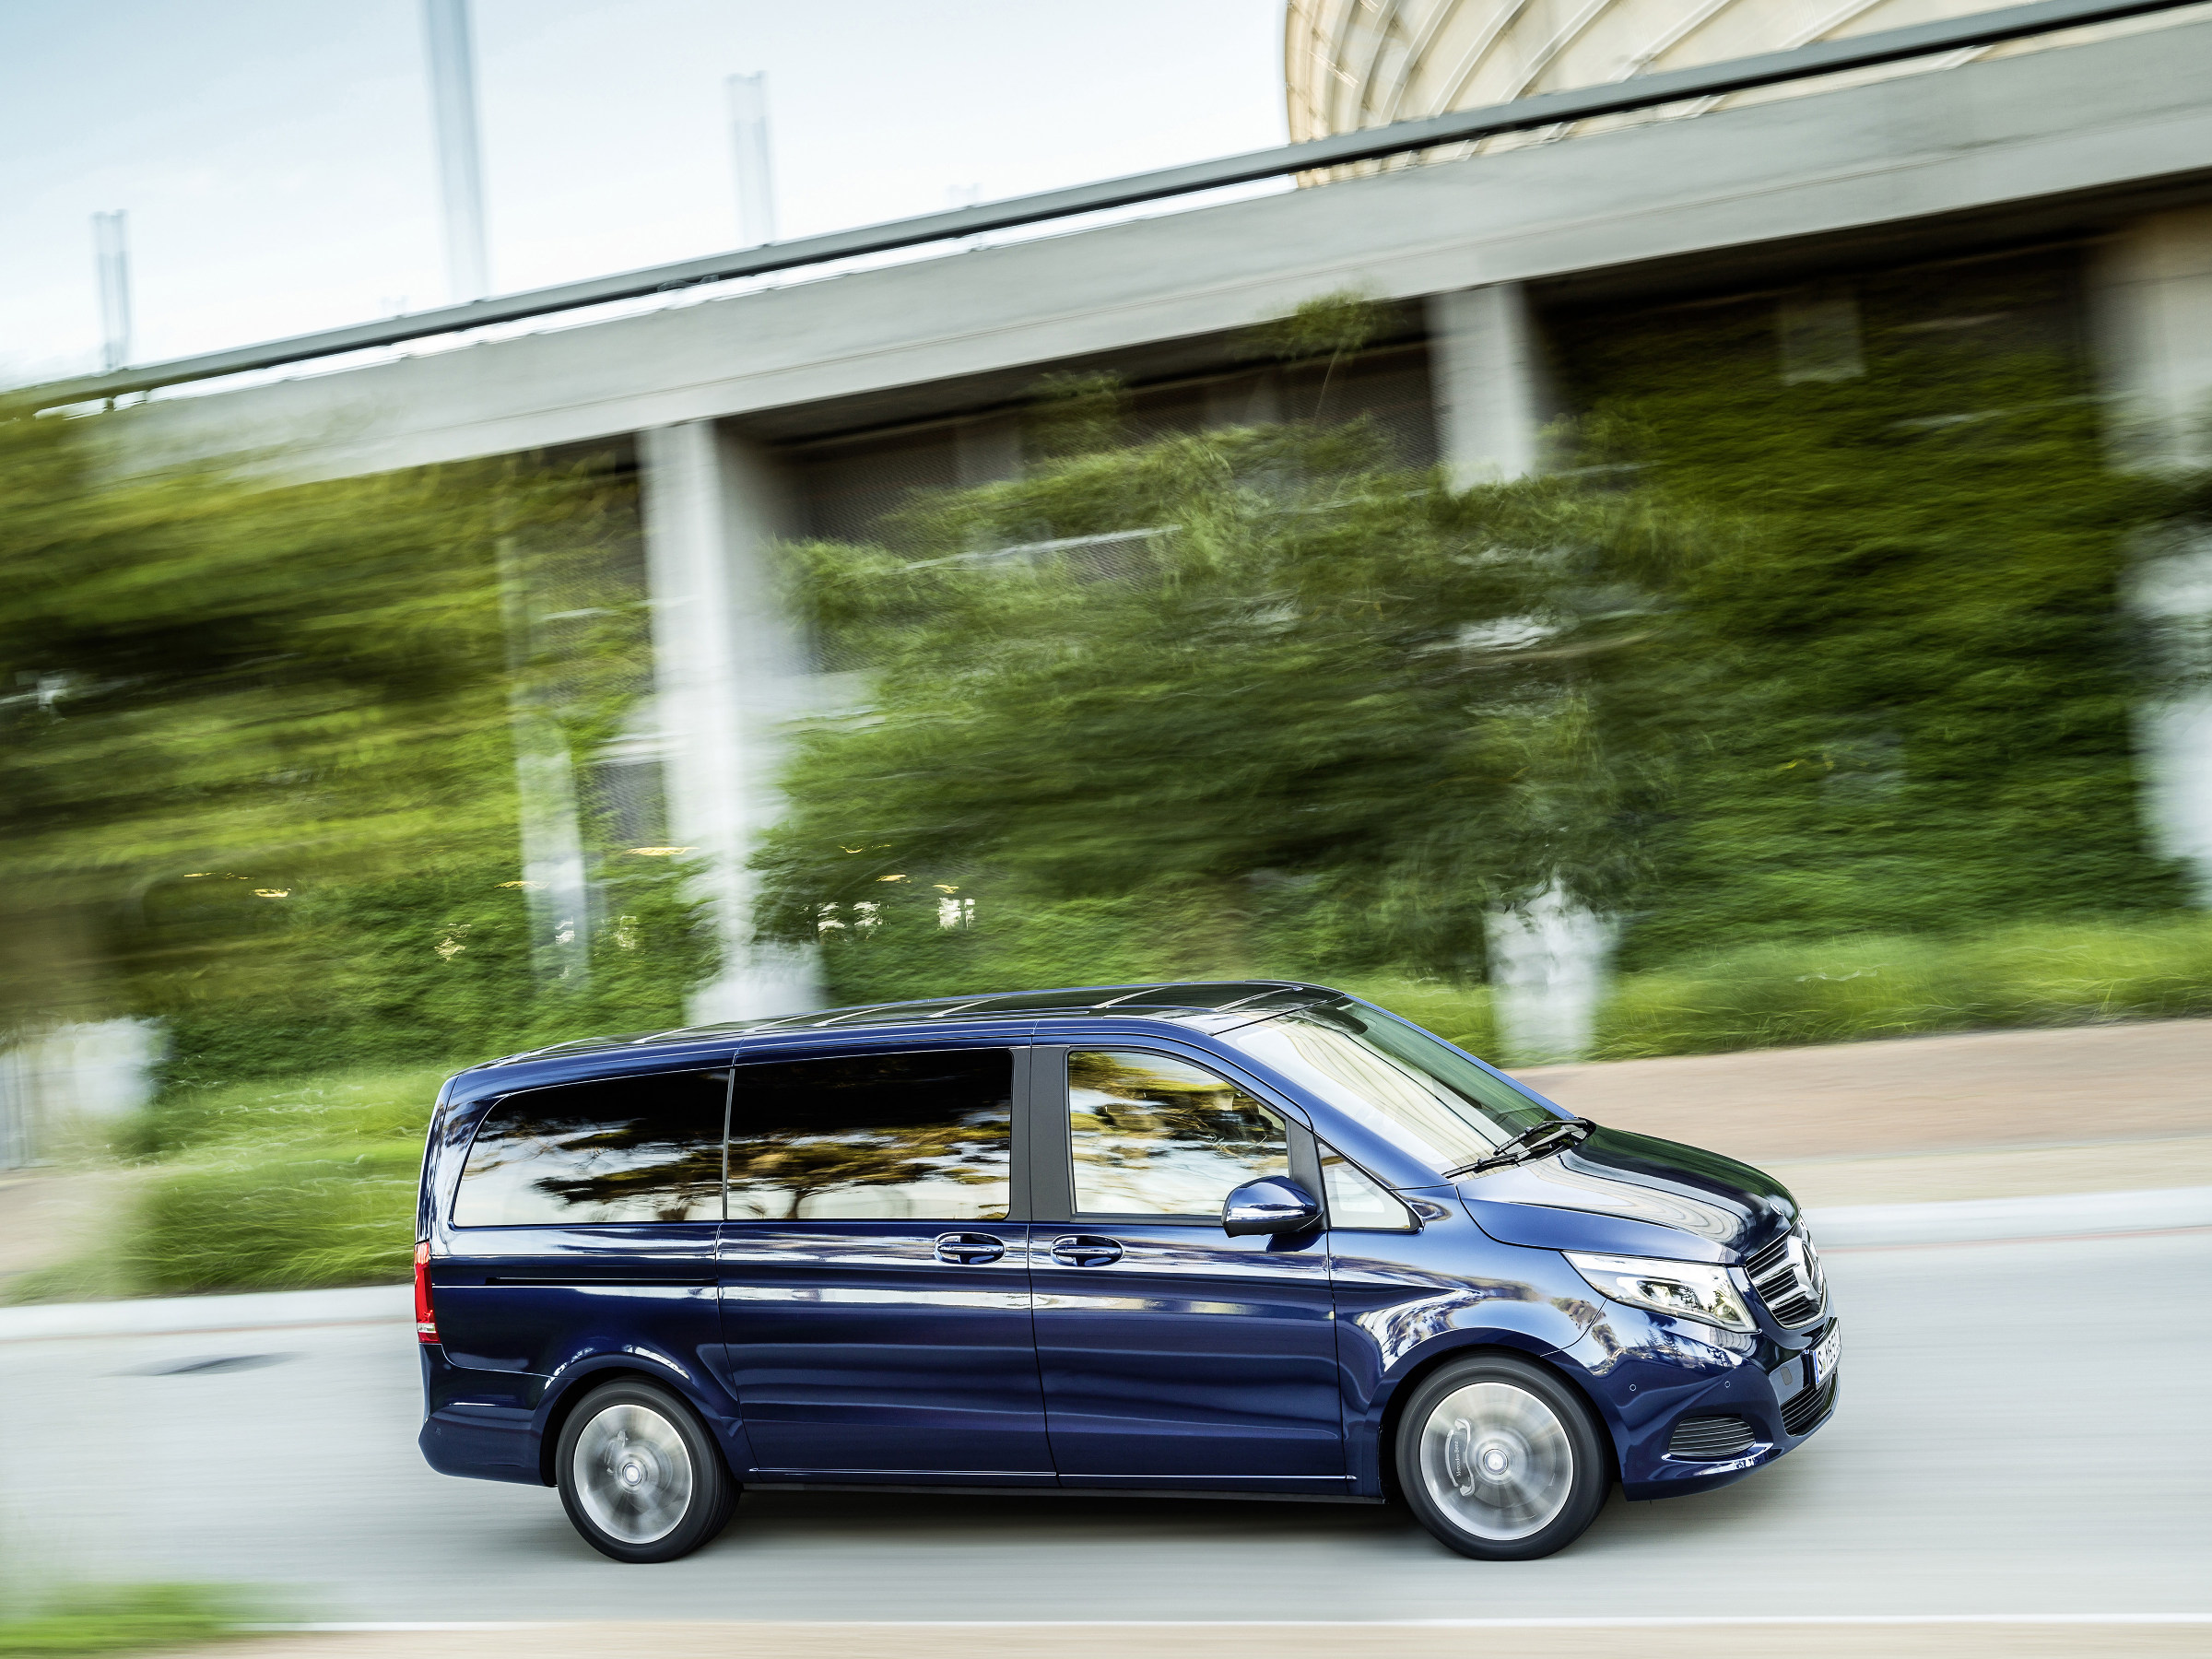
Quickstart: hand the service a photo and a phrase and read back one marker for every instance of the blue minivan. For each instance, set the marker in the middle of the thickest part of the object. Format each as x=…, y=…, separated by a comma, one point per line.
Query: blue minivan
x=1255, y=1238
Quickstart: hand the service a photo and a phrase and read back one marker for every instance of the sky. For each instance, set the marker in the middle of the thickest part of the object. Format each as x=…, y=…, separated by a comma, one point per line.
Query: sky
x=274, y=156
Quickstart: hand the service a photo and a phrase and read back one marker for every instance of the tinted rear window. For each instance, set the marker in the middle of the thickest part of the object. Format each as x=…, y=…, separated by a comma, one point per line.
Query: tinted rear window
x=877, y=1136
x=619, y=1149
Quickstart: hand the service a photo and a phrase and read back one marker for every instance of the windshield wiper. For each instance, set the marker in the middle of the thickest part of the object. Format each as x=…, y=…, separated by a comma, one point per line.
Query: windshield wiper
x=1531, y=1142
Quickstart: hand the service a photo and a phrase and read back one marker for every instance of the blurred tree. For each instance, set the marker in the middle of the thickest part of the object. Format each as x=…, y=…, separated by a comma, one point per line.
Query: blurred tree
x=1219, y=700
x=256, y=773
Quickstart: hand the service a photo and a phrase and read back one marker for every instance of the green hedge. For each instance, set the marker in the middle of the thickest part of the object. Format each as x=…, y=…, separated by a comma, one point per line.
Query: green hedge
x=2030, y=974
x=1873, y=986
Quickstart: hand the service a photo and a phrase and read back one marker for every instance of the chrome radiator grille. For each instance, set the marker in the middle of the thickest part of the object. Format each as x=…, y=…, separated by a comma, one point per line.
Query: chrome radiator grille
x=1787, y=1276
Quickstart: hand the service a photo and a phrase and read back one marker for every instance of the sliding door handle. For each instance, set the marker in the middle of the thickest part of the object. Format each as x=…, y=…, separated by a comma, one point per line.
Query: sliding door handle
x=1085, y=1250
x=969, y=1249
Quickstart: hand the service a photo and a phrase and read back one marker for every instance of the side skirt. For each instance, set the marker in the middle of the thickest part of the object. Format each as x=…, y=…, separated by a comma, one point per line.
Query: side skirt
x=981, y=1490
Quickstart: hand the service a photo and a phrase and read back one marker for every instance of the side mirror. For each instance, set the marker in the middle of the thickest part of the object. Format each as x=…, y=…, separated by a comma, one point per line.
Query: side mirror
x=1273, y=1204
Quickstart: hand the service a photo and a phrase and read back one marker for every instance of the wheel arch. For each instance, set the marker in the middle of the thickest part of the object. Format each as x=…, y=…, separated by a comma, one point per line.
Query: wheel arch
x=561, y=1403
x=1407, y=1385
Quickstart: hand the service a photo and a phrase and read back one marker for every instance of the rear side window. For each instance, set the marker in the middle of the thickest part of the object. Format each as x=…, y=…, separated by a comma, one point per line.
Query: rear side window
x=916, y=1137
x=619, y=1149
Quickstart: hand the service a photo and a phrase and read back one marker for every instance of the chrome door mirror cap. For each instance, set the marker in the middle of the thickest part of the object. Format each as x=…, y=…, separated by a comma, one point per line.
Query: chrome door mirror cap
x=1273, y=1204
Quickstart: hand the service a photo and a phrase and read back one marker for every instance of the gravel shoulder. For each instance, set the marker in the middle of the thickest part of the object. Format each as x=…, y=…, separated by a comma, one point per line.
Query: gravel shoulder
x=52, y=1216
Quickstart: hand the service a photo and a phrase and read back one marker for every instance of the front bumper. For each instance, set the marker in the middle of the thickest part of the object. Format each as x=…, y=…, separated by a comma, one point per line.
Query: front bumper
x=1755, y=1411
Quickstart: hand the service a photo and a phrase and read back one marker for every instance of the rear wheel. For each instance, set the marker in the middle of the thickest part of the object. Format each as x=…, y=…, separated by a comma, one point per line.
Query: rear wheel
x=1499, y=1459
x=638, y=1474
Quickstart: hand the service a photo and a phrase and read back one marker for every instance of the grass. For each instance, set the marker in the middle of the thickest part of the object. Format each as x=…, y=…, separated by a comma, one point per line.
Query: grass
x=1872, y=986
x=1458, y=1014
x=295, y=1185
x=365, y=1103
x=2028, y=975
x=290, y=1185
x=120, y=1619
x=294, y=1218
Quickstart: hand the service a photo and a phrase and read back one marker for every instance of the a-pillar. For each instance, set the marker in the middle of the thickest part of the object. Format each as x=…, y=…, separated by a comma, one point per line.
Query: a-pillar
x=730, y=673
x=2151, y=293
x=1550, y=956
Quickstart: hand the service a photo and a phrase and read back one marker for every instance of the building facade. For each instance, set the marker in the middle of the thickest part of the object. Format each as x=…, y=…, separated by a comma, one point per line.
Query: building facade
x=1349, y=65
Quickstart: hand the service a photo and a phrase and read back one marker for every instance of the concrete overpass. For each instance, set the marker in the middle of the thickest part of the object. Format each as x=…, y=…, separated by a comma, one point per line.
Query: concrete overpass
x=801, y=408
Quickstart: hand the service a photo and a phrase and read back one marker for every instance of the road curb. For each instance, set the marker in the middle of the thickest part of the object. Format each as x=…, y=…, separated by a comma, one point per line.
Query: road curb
x=2051, y=1216
x=182, y=1315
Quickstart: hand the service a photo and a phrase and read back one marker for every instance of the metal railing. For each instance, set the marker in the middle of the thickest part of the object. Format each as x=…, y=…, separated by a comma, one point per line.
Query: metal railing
x=1825, y=57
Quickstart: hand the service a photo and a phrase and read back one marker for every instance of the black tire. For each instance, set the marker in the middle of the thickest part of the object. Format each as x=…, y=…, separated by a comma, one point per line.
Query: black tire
x=639, y=1475
x=1501, y=1459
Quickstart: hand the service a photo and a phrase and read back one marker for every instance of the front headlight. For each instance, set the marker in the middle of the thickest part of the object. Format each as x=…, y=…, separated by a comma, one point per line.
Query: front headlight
x=1687, y=1290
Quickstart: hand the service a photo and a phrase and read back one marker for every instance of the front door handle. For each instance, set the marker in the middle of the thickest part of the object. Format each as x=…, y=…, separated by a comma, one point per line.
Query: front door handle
x=969, y=1249
x=1085, y=1250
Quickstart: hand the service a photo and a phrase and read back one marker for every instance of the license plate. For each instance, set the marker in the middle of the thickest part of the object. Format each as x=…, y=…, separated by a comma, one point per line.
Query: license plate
x=1827, y=1354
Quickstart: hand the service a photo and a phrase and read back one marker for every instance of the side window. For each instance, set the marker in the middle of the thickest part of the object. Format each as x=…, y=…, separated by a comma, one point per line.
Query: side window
x=895, y=1138
x=1148, y=1135
x=1357, y=1200
x=619, y=1149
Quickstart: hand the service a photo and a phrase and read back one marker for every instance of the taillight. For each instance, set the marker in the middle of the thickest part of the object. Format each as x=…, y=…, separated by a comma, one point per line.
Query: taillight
x=426, y=1321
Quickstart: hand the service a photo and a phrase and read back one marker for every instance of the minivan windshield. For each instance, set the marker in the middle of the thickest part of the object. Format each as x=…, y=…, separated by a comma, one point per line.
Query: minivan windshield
x=1396, y=1078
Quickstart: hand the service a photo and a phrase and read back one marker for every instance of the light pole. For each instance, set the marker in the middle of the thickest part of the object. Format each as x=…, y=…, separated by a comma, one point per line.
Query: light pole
x=452, y=57
x=111, y=256
x=755, y=179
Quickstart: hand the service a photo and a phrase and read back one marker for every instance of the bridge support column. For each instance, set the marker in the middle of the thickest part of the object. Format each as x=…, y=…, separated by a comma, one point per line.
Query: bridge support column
x=729, y=672
x=1493, y=390
x=1551, y=958
x=2151, y=292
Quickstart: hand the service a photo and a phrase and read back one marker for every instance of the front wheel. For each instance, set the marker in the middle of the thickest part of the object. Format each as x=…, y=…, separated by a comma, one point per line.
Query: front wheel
x=1498, y=1458
x=640, y=1476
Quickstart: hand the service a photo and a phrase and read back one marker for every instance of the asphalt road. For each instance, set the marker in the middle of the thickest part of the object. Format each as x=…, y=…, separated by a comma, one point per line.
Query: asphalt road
x=2021, y=1431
